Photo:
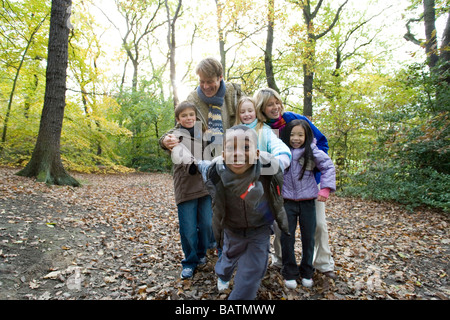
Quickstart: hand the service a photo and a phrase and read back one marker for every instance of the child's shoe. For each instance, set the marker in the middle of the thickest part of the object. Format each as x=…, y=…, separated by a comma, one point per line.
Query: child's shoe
x=308, y=283
x=187, y=273
x=276, y=262
x=202, y=261
x=290, y=284
x=222, y=285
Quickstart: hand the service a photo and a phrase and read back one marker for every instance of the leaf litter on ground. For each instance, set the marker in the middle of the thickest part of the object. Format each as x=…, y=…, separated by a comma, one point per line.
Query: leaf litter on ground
x=117, y=237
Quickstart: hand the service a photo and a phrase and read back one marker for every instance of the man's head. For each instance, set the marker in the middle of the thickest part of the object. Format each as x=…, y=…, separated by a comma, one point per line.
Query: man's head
x=240, y=150
x=210, y=73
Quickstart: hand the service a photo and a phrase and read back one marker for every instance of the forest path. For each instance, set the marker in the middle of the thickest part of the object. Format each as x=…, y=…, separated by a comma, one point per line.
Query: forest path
x=116, y=237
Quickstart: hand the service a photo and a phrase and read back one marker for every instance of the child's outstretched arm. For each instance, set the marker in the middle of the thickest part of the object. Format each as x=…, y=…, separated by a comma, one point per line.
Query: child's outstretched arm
x=328, y=174
x=202, y=167
x=180, y=154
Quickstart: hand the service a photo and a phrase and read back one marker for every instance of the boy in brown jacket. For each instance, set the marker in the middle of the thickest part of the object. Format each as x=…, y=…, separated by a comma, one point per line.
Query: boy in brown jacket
x=191, y=196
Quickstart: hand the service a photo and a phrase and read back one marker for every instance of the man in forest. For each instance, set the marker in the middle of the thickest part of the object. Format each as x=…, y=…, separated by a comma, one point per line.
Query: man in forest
x=215, y=101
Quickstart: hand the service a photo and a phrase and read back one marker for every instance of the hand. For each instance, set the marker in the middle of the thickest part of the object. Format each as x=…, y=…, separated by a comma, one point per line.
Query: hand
x=170, y=141
x=323, y=194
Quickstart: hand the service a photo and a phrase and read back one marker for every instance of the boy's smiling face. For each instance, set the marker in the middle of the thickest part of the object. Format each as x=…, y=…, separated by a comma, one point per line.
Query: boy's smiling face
x=186, y=118
x=240, y=151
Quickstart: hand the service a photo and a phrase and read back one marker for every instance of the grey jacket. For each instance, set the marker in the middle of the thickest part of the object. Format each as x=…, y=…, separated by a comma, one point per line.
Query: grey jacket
x=233, y=213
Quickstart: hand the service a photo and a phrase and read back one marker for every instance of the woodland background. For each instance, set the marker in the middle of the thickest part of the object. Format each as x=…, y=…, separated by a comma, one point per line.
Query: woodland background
x=373, y=75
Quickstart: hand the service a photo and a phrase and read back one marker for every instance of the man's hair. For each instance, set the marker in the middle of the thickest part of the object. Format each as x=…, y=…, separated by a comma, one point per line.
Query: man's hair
x=210, y=67
x=183, y=106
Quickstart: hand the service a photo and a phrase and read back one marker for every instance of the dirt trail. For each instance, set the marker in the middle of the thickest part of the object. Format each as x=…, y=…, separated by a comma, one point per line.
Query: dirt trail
x=117, y=237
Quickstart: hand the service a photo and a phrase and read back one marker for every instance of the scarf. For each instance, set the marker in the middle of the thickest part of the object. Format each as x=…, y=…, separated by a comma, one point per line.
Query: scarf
x=279, y=123
x=246, y=186
x=215, y=126
x=218, y=99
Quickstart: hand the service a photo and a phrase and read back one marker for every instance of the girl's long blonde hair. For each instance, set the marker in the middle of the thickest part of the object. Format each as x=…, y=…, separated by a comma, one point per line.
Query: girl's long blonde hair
x=260, y=121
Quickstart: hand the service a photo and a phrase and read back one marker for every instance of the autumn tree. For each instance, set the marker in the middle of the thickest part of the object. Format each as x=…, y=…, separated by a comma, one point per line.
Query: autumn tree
x=430, y=43
x=141, y=21
x=45, y=163
x=19, y=26
x=313, y=34
x=268, y=56
x=349, y=120
x=438, y=56
x=171, y=41
x=237, y=23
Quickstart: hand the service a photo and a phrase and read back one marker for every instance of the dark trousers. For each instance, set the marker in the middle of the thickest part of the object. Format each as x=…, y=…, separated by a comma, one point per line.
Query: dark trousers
x=303, y=212
x=250, y=255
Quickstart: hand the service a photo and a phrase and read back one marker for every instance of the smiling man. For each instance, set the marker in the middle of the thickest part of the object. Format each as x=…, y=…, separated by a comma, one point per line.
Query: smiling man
x=215, y=101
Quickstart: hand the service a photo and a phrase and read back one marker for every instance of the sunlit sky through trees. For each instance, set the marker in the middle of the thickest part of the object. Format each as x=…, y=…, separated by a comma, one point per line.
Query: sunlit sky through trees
x=390, y=14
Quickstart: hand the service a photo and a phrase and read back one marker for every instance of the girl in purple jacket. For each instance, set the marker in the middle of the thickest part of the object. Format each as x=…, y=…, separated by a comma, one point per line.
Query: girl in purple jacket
x=299, y=191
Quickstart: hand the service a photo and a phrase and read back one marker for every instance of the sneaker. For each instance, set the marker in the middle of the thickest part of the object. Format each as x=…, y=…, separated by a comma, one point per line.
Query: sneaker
x=187, y=273
x=308, y=283
x=290, y=284
x=202, y=261
x=276, y=262
x=330, y=274
x=222, y=285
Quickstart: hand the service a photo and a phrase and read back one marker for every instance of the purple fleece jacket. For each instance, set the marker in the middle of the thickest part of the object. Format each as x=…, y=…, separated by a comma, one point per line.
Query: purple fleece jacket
x=306, y=188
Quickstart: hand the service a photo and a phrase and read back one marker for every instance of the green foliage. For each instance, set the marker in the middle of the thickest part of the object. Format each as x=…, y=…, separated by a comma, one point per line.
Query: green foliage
x=388, y=130
x=410, y=164
x=390, y=181
x=147, y=116
x=101, y=133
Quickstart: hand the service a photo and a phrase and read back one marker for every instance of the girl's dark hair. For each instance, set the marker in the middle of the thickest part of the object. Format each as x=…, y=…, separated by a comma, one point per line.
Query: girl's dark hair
x=309, y=138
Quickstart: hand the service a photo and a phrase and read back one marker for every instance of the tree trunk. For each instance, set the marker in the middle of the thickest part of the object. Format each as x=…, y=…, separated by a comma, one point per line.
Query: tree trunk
x=268, y=61
x=308, y=79
x=134, y=81
x=309, y=60
x=171, y=41
x=221, y=38
x=430, y=33
x=309, y=55
x=45, y=163
x=445, y=51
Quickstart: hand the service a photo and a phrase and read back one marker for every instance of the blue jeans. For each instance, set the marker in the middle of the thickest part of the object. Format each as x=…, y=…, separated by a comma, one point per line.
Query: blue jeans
x=305, y=213
x=195, y=218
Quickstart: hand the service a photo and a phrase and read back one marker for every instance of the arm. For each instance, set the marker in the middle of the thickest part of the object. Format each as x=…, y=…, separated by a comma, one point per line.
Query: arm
x=328, y=174
x=202, y=167
x=278, y=148
x=168, y=140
